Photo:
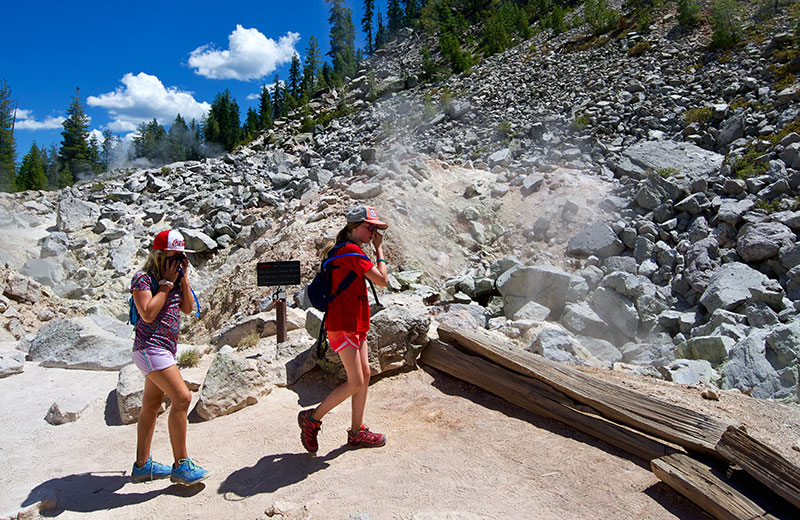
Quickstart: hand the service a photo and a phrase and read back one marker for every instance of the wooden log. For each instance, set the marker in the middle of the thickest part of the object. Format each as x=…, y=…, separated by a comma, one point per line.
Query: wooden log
x=700, y=484
x=693, y=430
x=532, y=395
x=761, y=462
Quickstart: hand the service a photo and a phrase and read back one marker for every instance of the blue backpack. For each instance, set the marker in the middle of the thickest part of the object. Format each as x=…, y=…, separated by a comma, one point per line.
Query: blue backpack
x=133, y=313
x=320, y=292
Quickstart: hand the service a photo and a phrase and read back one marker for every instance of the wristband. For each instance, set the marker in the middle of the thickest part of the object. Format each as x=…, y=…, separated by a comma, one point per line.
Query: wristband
x=166, y=282
x=381, y=260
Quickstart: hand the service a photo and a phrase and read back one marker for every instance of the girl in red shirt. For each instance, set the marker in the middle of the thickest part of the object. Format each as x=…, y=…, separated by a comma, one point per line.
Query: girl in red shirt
x=347, y=326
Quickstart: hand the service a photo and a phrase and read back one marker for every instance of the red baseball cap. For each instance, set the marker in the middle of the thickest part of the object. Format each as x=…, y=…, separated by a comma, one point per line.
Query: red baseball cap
x=170, y=240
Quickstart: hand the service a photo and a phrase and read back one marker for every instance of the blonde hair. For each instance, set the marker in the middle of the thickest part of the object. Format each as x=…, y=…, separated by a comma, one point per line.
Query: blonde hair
x=343, y=235
x=155, y=263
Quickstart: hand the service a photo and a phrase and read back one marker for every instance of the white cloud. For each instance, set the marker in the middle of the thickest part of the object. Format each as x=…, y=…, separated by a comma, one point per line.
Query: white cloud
x=98, y=134
x=250, y=55
x=26, y=121
x=143, y=98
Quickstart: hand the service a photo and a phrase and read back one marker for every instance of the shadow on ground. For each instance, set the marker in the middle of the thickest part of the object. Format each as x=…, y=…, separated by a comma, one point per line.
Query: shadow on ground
x=274, y=472
x=97, y=491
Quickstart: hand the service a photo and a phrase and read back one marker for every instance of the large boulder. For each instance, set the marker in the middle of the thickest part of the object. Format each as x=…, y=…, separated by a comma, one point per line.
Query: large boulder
x=598, y=239
x=762, y=240
x=75, y=214
x=688, y=159
x=232, y=383
x=544, y=284
x=730, y=286
x=557, y=344
x=79, y=343
x=749, y=370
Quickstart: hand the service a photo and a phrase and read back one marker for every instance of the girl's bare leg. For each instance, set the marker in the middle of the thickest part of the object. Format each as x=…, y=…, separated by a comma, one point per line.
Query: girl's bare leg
x=151, y=403
x=355, y=381
x=171, y=383
x=359, y=400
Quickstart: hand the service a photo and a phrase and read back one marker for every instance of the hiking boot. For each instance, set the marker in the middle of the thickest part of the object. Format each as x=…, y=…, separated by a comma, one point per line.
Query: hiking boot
x=364, y=438
x=188, y=473
x=151, y=470
x=309, y=427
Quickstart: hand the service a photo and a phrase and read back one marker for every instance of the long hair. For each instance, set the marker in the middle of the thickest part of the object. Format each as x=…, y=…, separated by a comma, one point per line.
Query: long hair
x=155, y=263
x=343, y=235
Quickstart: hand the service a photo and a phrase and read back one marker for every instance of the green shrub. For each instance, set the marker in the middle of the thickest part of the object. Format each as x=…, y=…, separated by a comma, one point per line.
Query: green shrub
x=98, y=186
x=688, y=13
x=503, y=129
x=580, y=123
x=249, y=341
x=698, y=115
x=599, y=16
x=428, y=65
x=307, y=124
x=165, y=171
x=769, y=206
x=748, y=166
x=639, y=49
x=666, y=172
x=188, y=358
x=725, y=23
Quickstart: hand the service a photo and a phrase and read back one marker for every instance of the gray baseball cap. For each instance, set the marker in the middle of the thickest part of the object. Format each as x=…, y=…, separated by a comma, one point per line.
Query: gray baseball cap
x=365, y=214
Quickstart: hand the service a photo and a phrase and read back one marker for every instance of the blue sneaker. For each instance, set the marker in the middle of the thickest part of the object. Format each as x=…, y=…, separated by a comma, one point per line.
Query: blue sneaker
x=151, y=470
x=188, y=473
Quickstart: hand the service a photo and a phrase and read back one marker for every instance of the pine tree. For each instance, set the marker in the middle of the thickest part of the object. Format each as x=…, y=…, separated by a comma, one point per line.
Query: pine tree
x=179, y=140
x=395, y=15
x=278, y=108
x=50, y=165
x=195, y=142
x=412, y=11
x=74, y=153
x=265, y=111
x=31, y=172
x=151, y=143
x=294, y=77
x=366, y=24
x=65, y=177
x=222, y=123
x=94, y=154
x=250, y=126
x=382, y=34
x=342, y=37
x=8, y=146
x=327, y=75
x=311, y=66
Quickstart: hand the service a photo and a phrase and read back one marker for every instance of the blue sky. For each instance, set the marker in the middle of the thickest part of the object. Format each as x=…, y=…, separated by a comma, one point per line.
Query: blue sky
x=140, y=60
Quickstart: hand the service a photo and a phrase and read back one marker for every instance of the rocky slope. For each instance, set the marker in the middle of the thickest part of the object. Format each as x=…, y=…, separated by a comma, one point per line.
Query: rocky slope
x=596, y=205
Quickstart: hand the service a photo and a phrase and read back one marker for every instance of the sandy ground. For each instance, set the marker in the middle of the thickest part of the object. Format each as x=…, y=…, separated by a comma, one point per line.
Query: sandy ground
x=453, y=452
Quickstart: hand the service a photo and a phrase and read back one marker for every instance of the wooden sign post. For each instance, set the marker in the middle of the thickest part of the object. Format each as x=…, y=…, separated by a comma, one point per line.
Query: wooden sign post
x=280, y=274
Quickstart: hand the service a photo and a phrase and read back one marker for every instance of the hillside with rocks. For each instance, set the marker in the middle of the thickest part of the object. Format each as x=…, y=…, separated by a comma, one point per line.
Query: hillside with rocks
x=630, y=209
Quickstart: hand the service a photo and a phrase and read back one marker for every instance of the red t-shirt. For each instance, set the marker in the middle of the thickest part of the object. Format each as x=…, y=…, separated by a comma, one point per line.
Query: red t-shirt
x=349, y=311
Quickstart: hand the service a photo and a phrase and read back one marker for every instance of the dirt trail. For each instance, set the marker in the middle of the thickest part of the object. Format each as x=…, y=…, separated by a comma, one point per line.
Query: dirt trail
x=453, y=452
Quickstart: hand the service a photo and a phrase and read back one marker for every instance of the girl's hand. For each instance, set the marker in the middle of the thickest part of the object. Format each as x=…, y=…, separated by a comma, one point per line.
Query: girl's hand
x=171, y=271
x=377, y=239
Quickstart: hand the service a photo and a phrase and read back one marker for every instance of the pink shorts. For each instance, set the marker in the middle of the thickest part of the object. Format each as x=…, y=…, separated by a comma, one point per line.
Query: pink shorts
x=339, y=339
x=150, y=359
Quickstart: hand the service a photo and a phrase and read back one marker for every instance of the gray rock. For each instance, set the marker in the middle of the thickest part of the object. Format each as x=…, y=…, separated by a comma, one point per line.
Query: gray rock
x=80, y=344
x=616, y=310
x=689, y=371
x=713, y=349
x=543, y=284
x=762, y=240
x=232, y=383
x=687, y=158
x=557, y=344
x=598, y=239
x=748, y=370
x=75, y=214
x=11, y=362
x=362, y=190
x=532, y=311
x=730, y=285
x=68, y=408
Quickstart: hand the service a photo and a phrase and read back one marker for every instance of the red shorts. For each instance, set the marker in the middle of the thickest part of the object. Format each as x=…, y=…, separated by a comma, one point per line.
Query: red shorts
x=341, y=339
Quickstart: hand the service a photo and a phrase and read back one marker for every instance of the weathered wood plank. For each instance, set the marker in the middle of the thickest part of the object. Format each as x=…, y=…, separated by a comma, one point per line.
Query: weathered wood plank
x=699, y=483
x=688, y=428
x=536, y=397
x=762, y=463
